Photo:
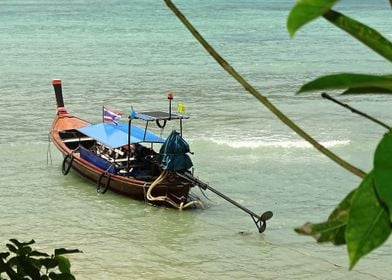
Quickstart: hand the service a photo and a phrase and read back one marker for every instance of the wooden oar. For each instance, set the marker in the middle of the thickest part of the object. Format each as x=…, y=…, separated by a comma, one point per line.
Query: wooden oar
x=260, y=221
x=327, y=96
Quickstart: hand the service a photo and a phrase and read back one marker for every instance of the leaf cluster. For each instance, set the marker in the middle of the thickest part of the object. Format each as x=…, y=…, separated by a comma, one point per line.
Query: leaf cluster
x=21, y=262
x=363, y=219
x=353, y=83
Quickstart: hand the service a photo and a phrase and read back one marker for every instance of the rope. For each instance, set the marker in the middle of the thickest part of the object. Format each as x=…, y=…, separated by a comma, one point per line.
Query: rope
x=204, y=194
x=165, y=198
x=193, y=202
x=49, y=152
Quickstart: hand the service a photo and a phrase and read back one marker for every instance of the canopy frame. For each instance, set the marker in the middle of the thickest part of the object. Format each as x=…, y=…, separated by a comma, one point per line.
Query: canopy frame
x=149, y=116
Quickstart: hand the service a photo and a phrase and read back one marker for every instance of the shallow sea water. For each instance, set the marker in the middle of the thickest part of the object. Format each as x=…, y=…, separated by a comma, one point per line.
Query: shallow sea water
x=124, y=53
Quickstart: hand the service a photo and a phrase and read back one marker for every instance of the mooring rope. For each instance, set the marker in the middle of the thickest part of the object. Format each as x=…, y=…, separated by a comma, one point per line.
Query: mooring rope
x=164, y=198
x=190, y=203
x=167, y=199
x=49, y=152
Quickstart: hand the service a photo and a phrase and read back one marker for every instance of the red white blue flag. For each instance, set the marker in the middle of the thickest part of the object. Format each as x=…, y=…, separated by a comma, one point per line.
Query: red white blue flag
x=110, y=116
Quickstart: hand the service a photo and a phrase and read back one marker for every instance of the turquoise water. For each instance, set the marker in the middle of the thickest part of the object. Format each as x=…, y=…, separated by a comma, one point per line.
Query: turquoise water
x=122, y=53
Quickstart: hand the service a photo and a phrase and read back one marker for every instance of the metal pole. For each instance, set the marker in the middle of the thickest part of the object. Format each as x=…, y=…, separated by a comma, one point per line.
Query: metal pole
x=260, y=221
x=181, y=127
x=129, y=145
x=170, y=108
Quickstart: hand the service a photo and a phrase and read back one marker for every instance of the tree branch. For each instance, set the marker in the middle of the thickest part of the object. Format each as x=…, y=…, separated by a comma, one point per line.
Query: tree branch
x=260, y=97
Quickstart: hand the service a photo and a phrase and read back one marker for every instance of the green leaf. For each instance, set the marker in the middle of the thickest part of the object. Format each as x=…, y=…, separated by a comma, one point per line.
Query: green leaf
x=31, y=268
x=64, y=264
x=11, y=273
x=330, y=231
x=368, y=223
x=14, y=261
x=12, y=248
x=22, y=244
x=4, y=255
x=342, y=211
x=38, y=254
x=383, y=171
x=368, y=36
x=63, y=251
x=348, y=81
x=24, y=251
x=36, y=263
x=61, y=276
x=305, y=11
x=3, y=268
x=366, y=90
x=49, y=263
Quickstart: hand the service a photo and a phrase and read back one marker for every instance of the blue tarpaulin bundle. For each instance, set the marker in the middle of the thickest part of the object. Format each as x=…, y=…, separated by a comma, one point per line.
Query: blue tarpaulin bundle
x=96, y=160
x=173, y=153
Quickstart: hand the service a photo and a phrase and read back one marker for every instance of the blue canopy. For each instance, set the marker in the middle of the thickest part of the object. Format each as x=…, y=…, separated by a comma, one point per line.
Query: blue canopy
x=115, y=136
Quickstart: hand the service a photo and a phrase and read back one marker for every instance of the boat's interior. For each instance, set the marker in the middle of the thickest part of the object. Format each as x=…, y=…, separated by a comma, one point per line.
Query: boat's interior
x=139, y=161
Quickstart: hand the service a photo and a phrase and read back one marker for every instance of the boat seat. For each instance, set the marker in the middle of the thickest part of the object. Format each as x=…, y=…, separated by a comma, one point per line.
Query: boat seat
x=110, y=159
x=79, y=139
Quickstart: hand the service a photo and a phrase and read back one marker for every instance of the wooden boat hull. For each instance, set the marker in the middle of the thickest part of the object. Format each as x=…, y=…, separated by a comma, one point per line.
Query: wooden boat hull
x=173, y=187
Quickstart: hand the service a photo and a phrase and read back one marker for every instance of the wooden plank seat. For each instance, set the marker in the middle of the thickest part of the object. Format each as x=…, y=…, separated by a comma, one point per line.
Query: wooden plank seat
x=78, y=139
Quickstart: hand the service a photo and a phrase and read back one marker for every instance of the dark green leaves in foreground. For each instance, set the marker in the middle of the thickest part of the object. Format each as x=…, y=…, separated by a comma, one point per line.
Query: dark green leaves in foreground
x=383, y=171
x=362, y=220
x=366, y=35
x=368, y=224
x=305, y=11
x=333, y=230
x=352, y=83
x=22, y=262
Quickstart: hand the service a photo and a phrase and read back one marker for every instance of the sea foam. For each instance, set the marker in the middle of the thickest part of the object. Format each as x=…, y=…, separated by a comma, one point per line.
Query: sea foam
x=287, y=144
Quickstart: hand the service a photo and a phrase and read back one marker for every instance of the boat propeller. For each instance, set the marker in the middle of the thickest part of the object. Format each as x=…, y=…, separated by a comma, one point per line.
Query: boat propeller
x=261, y=222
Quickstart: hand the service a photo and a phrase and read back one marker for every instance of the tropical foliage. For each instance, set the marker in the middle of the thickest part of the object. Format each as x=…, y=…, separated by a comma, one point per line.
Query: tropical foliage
x=307, y=10
x=363, y=219
x=22, y=262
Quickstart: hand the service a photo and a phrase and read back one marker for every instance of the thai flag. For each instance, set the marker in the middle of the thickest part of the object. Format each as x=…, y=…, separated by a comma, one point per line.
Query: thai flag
x=110, y=116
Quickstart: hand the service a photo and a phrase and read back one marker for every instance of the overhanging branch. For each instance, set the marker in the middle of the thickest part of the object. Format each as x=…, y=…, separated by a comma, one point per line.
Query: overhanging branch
x=248, y=87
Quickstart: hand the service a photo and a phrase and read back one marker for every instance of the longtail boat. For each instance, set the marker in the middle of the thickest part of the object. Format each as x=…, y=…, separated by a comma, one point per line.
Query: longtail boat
x=121, y=157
